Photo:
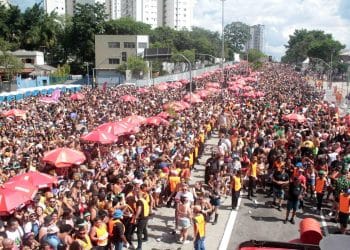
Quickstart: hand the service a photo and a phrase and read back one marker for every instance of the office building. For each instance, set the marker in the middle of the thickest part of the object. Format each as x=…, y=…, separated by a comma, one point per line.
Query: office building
x=113, y=9
x=113, y=50
x=257, y=39
x=177, y=14
x=145, y=11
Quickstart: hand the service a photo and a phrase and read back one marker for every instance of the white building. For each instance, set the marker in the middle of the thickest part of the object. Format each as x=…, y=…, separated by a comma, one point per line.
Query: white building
x=145, y=11
x=113, y=9
x=177, y=14
x=58, y=6
x=257, y=38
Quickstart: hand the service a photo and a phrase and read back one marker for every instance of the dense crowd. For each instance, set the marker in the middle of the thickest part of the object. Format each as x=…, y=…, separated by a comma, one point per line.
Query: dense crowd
x=109, y=198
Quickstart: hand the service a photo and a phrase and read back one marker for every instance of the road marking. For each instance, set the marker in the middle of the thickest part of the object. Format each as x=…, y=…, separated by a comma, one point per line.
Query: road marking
x=229, y=227
x=324, y=223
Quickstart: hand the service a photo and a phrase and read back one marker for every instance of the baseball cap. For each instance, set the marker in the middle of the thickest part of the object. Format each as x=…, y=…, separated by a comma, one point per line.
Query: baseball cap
x=321, y=172
x=117, y=214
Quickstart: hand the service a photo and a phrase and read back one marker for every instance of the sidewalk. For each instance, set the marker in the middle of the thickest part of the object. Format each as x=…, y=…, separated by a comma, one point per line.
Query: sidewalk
x=162, y=224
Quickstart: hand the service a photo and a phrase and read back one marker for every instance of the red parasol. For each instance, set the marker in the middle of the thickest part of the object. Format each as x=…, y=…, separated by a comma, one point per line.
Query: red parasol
x=37, y=179
x=125, y=128
x=99, y=136
x=27, y=189
x=156, y=120
x=15, y=112
x=135, y=120
x=213, y=85
x=11, y=199
x=247, y=88
x=142, y=90
x=162, y=87
x=64, y=157
x=213, y=90
x=293, y=117
x=129, y=98
x=77, y=97
x=203, y=93
x=164, y=115
x=176, y=106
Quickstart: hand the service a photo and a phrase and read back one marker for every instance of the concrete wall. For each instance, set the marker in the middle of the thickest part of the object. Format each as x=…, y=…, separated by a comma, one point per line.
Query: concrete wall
x=29, y=83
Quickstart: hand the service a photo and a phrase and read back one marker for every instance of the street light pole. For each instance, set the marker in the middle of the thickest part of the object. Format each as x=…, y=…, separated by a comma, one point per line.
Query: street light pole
x=190, y=69
x=222, y=36
x=87, y=73
x=331, y=72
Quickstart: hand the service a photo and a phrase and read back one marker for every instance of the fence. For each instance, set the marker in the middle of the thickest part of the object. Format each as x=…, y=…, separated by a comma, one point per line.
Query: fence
x=176, y=77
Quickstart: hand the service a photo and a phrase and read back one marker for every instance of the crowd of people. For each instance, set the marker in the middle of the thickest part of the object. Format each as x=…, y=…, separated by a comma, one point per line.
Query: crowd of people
x=107, y=201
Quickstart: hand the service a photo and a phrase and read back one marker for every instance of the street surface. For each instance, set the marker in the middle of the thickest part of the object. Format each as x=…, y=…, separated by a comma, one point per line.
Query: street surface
x=255, y=219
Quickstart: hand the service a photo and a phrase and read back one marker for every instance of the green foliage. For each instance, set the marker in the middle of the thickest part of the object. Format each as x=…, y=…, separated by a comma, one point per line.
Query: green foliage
x=62, y=71
x=255, y=55
x=314, y=43
x=126, y=26
x=236, y=35
x=9, y=64
x=136, y=65
x=87, y=22
x=189, y=54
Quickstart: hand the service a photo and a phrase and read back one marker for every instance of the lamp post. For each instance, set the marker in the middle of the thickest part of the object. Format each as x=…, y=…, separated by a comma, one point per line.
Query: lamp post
x=209, y=56
x=222, y=36
x=190, y=71
x=87, y=73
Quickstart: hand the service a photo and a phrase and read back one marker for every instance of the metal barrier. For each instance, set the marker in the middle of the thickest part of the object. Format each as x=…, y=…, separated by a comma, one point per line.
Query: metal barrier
x=175, y=77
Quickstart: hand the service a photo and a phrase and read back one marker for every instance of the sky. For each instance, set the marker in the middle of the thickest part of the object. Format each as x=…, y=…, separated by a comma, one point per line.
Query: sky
x=280, y=17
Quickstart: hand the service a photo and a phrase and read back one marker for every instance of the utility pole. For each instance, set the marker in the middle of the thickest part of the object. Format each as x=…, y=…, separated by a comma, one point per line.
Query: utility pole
x=223, y=43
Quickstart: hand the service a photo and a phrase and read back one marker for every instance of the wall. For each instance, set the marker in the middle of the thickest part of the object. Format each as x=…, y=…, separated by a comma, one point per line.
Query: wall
x=29, y=83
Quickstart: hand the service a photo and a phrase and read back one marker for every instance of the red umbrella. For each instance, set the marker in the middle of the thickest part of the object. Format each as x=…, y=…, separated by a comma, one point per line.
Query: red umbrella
x=37, y=179
x=15, y=112
x=136, y=120
x=129, y=98
x=234, y=88
x=293, y=117
x=26, y=188
x=203, y=93
x=177, y=106
x=142, y=90
x=11, y=199
x=248, y=88
x=162, y=87
x=109, y=127
x=192, y=96
x=164, y=115
x=156, y=120
x=214, y=90
x=125, y=128
x=77, y=97
x=64, y=157
x=213, y=85
x=99, y=136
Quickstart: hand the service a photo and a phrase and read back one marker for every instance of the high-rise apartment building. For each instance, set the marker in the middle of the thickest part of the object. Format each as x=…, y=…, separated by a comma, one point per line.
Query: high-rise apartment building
x=145, y=11
x=177, y=14
x=58, y=6
x=112, y=7
x=257, y=38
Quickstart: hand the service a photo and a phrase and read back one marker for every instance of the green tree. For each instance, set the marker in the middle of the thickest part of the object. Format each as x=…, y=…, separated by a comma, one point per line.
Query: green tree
x=136, y=65
x=126, y=26
x=87, y=22
x=163, y=37
x=255, y=55
x=206, y=41
x=314, y=43
x=9, y=64
x=236, y=35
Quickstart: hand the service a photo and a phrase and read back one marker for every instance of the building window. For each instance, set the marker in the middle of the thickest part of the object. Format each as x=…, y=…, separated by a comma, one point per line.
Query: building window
x=129, y=45
x=114, y=61
x=124, y=55
x=143, y=45
x=113, y=44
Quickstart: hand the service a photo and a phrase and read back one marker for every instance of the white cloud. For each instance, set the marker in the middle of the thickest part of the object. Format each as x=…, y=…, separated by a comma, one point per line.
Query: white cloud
x=280, y=18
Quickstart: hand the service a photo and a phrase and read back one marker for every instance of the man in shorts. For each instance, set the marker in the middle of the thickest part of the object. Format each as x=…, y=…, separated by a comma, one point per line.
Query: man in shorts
x=280, y=179
x=294, y=196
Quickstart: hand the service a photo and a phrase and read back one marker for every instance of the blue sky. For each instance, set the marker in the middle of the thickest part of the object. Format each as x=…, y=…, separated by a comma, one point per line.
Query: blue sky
x=280, y=17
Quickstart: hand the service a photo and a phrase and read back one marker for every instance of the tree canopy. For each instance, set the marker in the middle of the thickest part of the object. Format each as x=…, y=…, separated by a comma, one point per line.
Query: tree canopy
x=237, y=34
x=314, y=44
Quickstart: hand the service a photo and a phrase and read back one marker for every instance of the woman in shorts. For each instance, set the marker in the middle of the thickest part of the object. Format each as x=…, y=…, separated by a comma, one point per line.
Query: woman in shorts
x=184, y=216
